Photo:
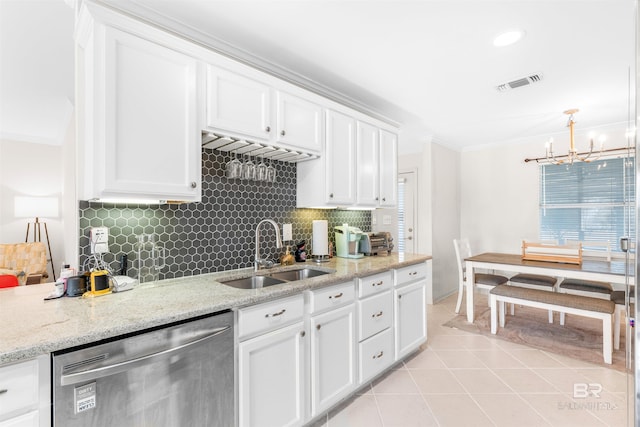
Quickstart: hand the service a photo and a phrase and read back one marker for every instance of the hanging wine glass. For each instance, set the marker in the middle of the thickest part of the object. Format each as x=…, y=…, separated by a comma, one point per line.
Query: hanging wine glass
x=271, y=172
x=234, y=167
x=262, y=171
x=249, y=170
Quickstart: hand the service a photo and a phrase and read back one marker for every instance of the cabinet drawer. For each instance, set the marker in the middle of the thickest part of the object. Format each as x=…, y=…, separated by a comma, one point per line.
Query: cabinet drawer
x=411, y=274
x=375, y=314
x=375, y=284
x=31, y=419
x=21, y=384
x=376, y=354
x=333, y=296
x=269, y=316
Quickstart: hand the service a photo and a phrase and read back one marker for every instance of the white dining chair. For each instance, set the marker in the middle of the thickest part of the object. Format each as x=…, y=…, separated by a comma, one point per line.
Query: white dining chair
x=482, y=280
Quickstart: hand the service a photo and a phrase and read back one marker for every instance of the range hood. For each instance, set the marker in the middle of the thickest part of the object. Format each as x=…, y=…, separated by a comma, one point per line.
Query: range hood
x=217, y=141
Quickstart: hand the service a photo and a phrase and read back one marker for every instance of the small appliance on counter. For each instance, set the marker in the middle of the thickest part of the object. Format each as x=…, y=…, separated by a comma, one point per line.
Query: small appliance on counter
x=99, y=284
x=348, y=241
x=380, y=243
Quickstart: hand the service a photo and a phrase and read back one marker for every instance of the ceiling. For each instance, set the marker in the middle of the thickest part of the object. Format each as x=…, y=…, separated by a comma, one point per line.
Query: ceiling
x=429, y=65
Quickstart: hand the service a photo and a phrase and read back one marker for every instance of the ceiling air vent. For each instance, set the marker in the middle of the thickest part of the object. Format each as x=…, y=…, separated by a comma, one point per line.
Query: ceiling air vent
x=514, y=84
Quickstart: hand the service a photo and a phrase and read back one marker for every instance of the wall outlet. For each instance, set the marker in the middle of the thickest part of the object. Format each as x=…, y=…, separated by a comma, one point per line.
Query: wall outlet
x=287, y=233
x=99, y=240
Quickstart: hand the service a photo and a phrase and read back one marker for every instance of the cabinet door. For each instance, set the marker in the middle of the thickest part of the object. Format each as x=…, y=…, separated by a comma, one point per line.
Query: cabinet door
x=340, y=159
x=388, y=169
x=238, y=104
x=152, y=144
x=333, y=373
x=299, y=123
x=368, y=156
x=270, y=378
x=411, y=318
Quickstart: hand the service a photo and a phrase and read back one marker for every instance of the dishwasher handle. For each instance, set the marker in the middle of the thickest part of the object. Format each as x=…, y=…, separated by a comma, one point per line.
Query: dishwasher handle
x=116, y=368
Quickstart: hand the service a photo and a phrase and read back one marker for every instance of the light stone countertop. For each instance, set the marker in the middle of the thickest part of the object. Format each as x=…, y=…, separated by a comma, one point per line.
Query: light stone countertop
x=31, y=326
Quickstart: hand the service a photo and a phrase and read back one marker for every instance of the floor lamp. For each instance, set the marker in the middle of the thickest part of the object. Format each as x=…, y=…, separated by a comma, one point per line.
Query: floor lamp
x=37, y=207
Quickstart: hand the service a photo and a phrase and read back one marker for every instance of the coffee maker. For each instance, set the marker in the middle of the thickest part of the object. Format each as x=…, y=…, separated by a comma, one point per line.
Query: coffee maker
x=348, y=241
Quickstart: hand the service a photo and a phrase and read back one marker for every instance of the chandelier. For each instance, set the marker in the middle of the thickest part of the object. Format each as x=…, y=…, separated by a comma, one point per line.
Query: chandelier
x=573, y=154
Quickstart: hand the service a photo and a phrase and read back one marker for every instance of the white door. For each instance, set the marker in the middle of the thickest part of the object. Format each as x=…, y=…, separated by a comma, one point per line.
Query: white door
x=333, y=357
x=271, y=379
x=406, y=212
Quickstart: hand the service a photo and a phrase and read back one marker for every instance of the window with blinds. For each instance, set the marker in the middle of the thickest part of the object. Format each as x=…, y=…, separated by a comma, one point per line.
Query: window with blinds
x=588, y=201
x=401, y=222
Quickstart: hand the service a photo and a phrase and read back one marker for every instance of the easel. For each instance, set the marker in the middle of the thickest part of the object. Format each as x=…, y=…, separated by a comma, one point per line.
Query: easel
x=37, y=237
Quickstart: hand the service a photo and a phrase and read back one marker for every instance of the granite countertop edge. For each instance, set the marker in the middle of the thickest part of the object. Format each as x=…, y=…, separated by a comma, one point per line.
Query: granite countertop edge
x=34, y=327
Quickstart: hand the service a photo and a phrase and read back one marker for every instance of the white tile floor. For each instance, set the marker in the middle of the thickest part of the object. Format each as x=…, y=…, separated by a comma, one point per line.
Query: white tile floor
x=462, y=379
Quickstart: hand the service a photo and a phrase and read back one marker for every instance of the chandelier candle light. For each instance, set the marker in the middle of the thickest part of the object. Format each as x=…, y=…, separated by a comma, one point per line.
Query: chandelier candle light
x=573, y=153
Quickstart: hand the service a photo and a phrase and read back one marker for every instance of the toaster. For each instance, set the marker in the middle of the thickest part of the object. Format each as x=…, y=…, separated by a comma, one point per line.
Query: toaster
x=376, y=243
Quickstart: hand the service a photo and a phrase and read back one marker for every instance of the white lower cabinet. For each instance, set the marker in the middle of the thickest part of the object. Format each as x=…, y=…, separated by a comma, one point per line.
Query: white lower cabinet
x=300, y=356
x=27, y=420
x=375, y=321
x=271, y=377
x=25, y=399
x=375, y=355
x=333, y=357
x=410, y=309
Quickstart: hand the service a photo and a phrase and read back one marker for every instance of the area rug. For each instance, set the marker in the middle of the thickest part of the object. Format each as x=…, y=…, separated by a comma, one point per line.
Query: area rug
x=580, y=338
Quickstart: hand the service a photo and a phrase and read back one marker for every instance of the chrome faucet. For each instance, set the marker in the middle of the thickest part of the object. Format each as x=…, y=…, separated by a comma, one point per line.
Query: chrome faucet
x=259, y=262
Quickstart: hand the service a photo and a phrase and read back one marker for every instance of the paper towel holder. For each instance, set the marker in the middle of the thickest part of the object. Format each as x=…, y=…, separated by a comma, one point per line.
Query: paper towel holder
x=320, y=258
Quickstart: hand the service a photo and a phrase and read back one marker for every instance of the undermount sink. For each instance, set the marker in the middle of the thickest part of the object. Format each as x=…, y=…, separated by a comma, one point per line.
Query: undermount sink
x=276, y=278
x=291, y=275
x=252, y=282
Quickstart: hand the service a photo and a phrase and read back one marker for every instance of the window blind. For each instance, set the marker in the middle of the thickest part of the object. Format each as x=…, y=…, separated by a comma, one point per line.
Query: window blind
x=401, y=213
x=588, y=201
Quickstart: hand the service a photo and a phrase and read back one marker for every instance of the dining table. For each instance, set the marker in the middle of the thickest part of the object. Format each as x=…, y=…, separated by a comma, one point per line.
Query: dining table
x=616, y=271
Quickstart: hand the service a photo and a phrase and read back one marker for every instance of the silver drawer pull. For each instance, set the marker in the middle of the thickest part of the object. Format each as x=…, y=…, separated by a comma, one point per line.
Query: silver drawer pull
x=378, y=314
x=336, y=296
x=280, y=313
x=3, y=391
x=379, y=355
x=378, y=283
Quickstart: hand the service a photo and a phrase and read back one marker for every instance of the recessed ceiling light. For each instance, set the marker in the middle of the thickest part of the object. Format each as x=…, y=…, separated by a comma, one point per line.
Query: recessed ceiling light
x=508, y=38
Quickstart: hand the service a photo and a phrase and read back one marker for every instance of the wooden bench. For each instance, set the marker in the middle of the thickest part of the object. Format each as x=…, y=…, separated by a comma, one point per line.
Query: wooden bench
x=564, y=303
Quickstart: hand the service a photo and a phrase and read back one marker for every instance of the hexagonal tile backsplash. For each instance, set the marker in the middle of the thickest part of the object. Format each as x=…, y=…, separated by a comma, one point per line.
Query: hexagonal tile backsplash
x=216, y=234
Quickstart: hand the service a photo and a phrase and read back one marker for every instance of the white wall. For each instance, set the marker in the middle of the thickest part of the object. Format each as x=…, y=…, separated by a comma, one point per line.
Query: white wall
x=438, y=211
x=29, y=169
x=445, y=207
x=499, y=191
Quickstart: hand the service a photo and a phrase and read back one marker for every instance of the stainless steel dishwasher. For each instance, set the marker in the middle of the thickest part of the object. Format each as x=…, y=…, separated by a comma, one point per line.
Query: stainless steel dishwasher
x=179, y=375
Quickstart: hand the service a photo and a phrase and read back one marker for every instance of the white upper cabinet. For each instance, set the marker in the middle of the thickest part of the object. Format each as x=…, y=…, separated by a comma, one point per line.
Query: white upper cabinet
x=377, y=166
x=141, y=138
x=340, y=156
x=359, y=167
x=330, y=181
x=300, y=123
x=248, y=105
x=388, y=169
x=368, y=183
x=238, y=104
